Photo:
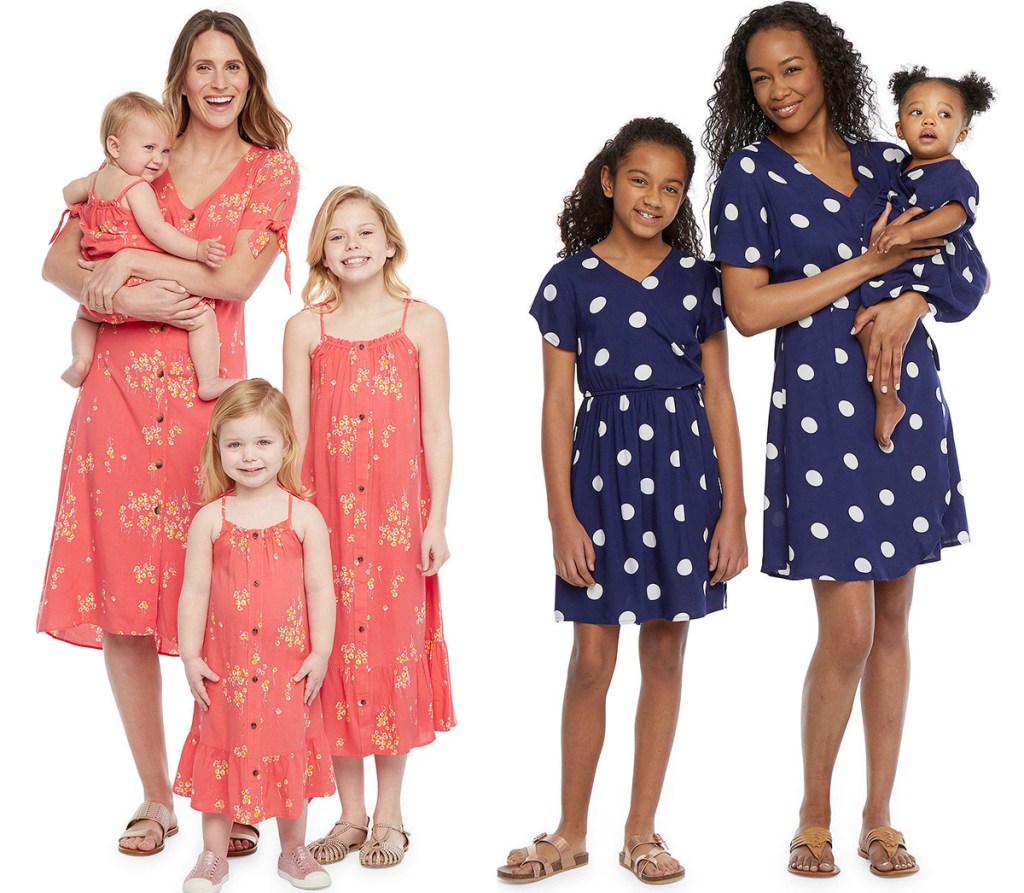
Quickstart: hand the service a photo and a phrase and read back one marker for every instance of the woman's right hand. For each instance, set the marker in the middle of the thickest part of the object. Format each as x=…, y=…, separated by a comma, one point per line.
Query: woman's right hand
x=160, y=300
x=574, y=552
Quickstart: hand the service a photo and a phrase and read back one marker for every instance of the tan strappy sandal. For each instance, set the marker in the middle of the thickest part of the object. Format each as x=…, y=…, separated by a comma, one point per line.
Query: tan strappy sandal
x=640, y=864
x=540, y=867
x=891, y=840
x=380, y=852
x=154, y=812
x=815, y=839
x=331, y=848
x=250, y=834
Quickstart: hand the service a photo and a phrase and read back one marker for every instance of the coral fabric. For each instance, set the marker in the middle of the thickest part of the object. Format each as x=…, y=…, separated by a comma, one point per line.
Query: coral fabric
x=387, y=688
x=259, y=752
x=128, y=486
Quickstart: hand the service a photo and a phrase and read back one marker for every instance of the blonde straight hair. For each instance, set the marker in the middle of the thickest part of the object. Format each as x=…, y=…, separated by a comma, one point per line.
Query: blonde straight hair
x=260, y=122
x=121, y=109
x=322, y=287
x=255, y=396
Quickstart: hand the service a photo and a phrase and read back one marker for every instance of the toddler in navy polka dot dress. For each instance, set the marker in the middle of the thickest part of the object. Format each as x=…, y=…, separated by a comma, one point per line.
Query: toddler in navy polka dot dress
x=931, y=195
x=645, y=492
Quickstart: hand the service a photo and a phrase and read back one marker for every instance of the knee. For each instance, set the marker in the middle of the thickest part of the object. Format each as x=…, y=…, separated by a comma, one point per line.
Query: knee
x=591, y=669
x=892, y=626
x=662, y=653
x=848, y=649
x=129, y=645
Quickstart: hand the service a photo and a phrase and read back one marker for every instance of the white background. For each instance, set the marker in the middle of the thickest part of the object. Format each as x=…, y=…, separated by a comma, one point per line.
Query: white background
x=472, y=121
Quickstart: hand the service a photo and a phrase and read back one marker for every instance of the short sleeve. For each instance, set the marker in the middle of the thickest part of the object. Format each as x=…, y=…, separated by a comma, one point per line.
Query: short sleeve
x=740, y=231
x=276, y=185
x=963, y=188
x=712, y=315
x=554, y=308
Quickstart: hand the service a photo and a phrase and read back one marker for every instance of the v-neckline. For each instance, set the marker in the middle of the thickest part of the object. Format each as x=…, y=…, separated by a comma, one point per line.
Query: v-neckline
x=625, y=275
x=206, y=200
x=809, y=173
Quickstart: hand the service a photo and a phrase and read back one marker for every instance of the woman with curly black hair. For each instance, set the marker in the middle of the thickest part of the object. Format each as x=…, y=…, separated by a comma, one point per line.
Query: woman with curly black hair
x=647, y=521
x=789, y=132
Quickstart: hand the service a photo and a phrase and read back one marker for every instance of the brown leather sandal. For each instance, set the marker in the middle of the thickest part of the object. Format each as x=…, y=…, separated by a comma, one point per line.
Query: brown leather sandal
x=815, y=839
x=154, y=812
x=331, y=848
x=891, y=840
x=540, y=867
x=251, y=834
x=640, y=864
x=381, y=852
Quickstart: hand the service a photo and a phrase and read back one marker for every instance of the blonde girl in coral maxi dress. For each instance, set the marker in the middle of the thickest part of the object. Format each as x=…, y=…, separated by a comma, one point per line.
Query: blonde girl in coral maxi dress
x=129, y=483
x=366, y=375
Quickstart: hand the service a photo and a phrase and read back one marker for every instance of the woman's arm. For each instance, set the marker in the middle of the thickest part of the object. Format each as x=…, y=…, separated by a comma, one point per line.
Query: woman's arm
x=427, y=328
x=573, y=550
x=300, y=334
x=194, y=604
x=320, y=605
x=727, y=554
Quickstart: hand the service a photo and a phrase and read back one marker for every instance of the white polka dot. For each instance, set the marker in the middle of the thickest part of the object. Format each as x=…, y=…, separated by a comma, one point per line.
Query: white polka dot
x=918, y=473
x=681, y=618
x=799, y=221
x=550, y=292
x=915, y=421
x=559, y=617
x=887, y=549
x=551, y=338
x=651, y=282
x=703, y=482
x=808, y=424
x=918, y=270
x=598, y=537
x=763, y=213
x=805, y=371
x=846, y=408
x=801, y=169
x=771, y=451
x=601, y=429
x=921, y=524
x=638, y=320
x=631, y=566
x=685, y=567
x=598, y=483
x=779, y=398
x=814, y=478
x=819, y=530
x=747, y=164
x=842, y=304
x=590, y=263
x=576, y=457
x=866, y=172
x=627, y=617
x=627, y=511
x=863, y=565
x=654, y=592
x=674, y=458
x=831, y=205
x=943, y=445
x=595, y=591
x=767, y=502
x=646, y=432
x=598, y=304
x=752, y=255
x=841, y=356
x=670, y=404
x=601, y=357
x=690, y=301
x=623, y=403
x=647, y=486
x=827, y=577
x=680, y=513
x=886, y=497
x=686, y=261
x=850, y=461
x=894, y=153
x=811, y=269
x=806, y=322
x=856, y=513
x=963, y=537
x=642, y=372
x=731, y=211
x=650, y=540
x=624, y=457
x=677, y=350
x=776, y=177
x=695, y=430
x=912, y=370
x=968, y=275
x=960, y=487
x=844, y=250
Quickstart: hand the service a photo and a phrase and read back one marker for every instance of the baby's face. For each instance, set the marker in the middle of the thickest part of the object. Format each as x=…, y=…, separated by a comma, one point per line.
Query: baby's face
x=141, y=149
x=931, y=120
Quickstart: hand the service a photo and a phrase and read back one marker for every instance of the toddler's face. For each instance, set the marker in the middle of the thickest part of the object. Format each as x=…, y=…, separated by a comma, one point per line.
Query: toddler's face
x=141, y=149
x=931, y=120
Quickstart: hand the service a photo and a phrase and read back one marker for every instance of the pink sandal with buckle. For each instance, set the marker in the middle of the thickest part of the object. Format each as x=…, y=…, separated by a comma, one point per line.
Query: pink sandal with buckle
x=640, y=864
x=540, y=867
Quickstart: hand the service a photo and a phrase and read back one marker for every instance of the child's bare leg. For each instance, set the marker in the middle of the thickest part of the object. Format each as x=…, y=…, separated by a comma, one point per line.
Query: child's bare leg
x=204, y=346
x=388, y=808
x=662, y=646
x=296, y=864
x=591, y=666
x=889, y=409
x=292, y=832
x=348, y=774
x=211, y=869
x=83, y=347
x=216, y=831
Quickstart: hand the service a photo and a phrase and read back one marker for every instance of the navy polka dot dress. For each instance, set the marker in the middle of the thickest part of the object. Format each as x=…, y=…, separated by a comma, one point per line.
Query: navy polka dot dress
x=644, y=477
x=952, y=281
x=836, y=506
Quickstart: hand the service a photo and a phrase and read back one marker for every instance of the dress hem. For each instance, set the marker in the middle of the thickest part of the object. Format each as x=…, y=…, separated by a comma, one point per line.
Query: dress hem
x=934, y=555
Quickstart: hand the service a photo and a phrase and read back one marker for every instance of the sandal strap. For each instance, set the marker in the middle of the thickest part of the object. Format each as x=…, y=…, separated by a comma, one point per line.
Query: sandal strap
x=151, y=811
x=639, y=864
x=566, y=857
x=815, y=839
x=890, y=839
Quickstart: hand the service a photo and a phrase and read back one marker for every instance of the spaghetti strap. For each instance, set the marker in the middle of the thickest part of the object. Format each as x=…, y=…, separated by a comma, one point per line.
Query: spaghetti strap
x=405, y=313
x=290, y=499
x=92, y=185
x=131, y=185
x=323, y=335
x=224, y=507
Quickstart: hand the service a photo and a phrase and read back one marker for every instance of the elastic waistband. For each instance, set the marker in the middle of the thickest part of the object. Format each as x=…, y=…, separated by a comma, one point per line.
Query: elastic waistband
x=626, y=391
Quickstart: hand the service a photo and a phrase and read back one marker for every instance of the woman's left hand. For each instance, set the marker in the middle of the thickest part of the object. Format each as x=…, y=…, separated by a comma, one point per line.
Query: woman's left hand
x=107, y=276
x=892, y=323
x=727, y=554
x=433, y=551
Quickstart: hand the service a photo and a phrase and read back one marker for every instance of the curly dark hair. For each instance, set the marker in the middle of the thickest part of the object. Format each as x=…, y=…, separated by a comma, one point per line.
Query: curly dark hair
x=586, y=217
x=736, y=120
x=976, y=92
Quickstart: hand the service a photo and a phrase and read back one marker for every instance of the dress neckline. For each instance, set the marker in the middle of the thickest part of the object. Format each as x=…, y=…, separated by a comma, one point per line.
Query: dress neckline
x=206, y=200
x=809, y=173
x=640, y=282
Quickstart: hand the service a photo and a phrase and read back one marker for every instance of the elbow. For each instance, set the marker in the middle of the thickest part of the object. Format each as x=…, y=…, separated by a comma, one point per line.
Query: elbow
x=744, y=323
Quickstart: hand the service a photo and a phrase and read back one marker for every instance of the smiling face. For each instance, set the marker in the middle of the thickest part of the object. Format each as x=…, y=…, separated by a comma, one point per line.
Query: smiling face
x=216, y=82
x=356, y=247
x=931, y=120
x=141, y=149
x=647, y=190
x=252, y=450
x=786, y=79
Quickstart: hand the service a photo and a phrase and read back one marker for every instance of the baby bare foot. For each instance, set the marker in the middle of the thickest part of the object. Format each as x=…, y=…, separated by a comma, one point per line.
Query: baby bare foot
x=212, y=388
x=76, y=373
x=889, y=411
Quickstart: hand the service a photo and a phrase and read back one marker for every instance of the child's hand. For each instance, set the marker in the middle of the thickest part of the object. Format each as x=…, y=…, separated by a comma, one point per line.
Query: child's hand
x=313, y=670
x=210, y=252
x=891, y=237
x=727, y=555
x=196, y=670
x=574, y=552
x=434, y=551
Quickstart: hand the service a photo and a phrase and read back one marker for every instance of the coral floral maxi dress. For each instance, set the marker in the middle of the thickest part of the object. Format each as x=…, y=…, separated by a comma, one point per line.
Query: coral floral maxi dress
x=128, y=486
x=387, y=687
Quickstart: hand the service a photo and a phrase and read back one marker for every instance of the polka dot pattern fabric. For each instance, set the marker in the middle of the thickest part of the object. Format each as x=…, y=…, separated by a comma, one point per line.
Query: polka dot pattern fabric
x=644, y=476
x=836, y=506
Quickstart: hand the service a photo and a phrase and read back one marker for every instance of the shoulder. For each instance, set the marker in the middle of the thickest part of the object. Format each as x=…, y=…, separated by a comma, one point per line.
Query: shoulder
x=424, y=314
x=425, y=325
x=878, y=153
x=306, y=518
x=271, y=165
x=205, y=521
x=303, y=326
x=569, y=269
